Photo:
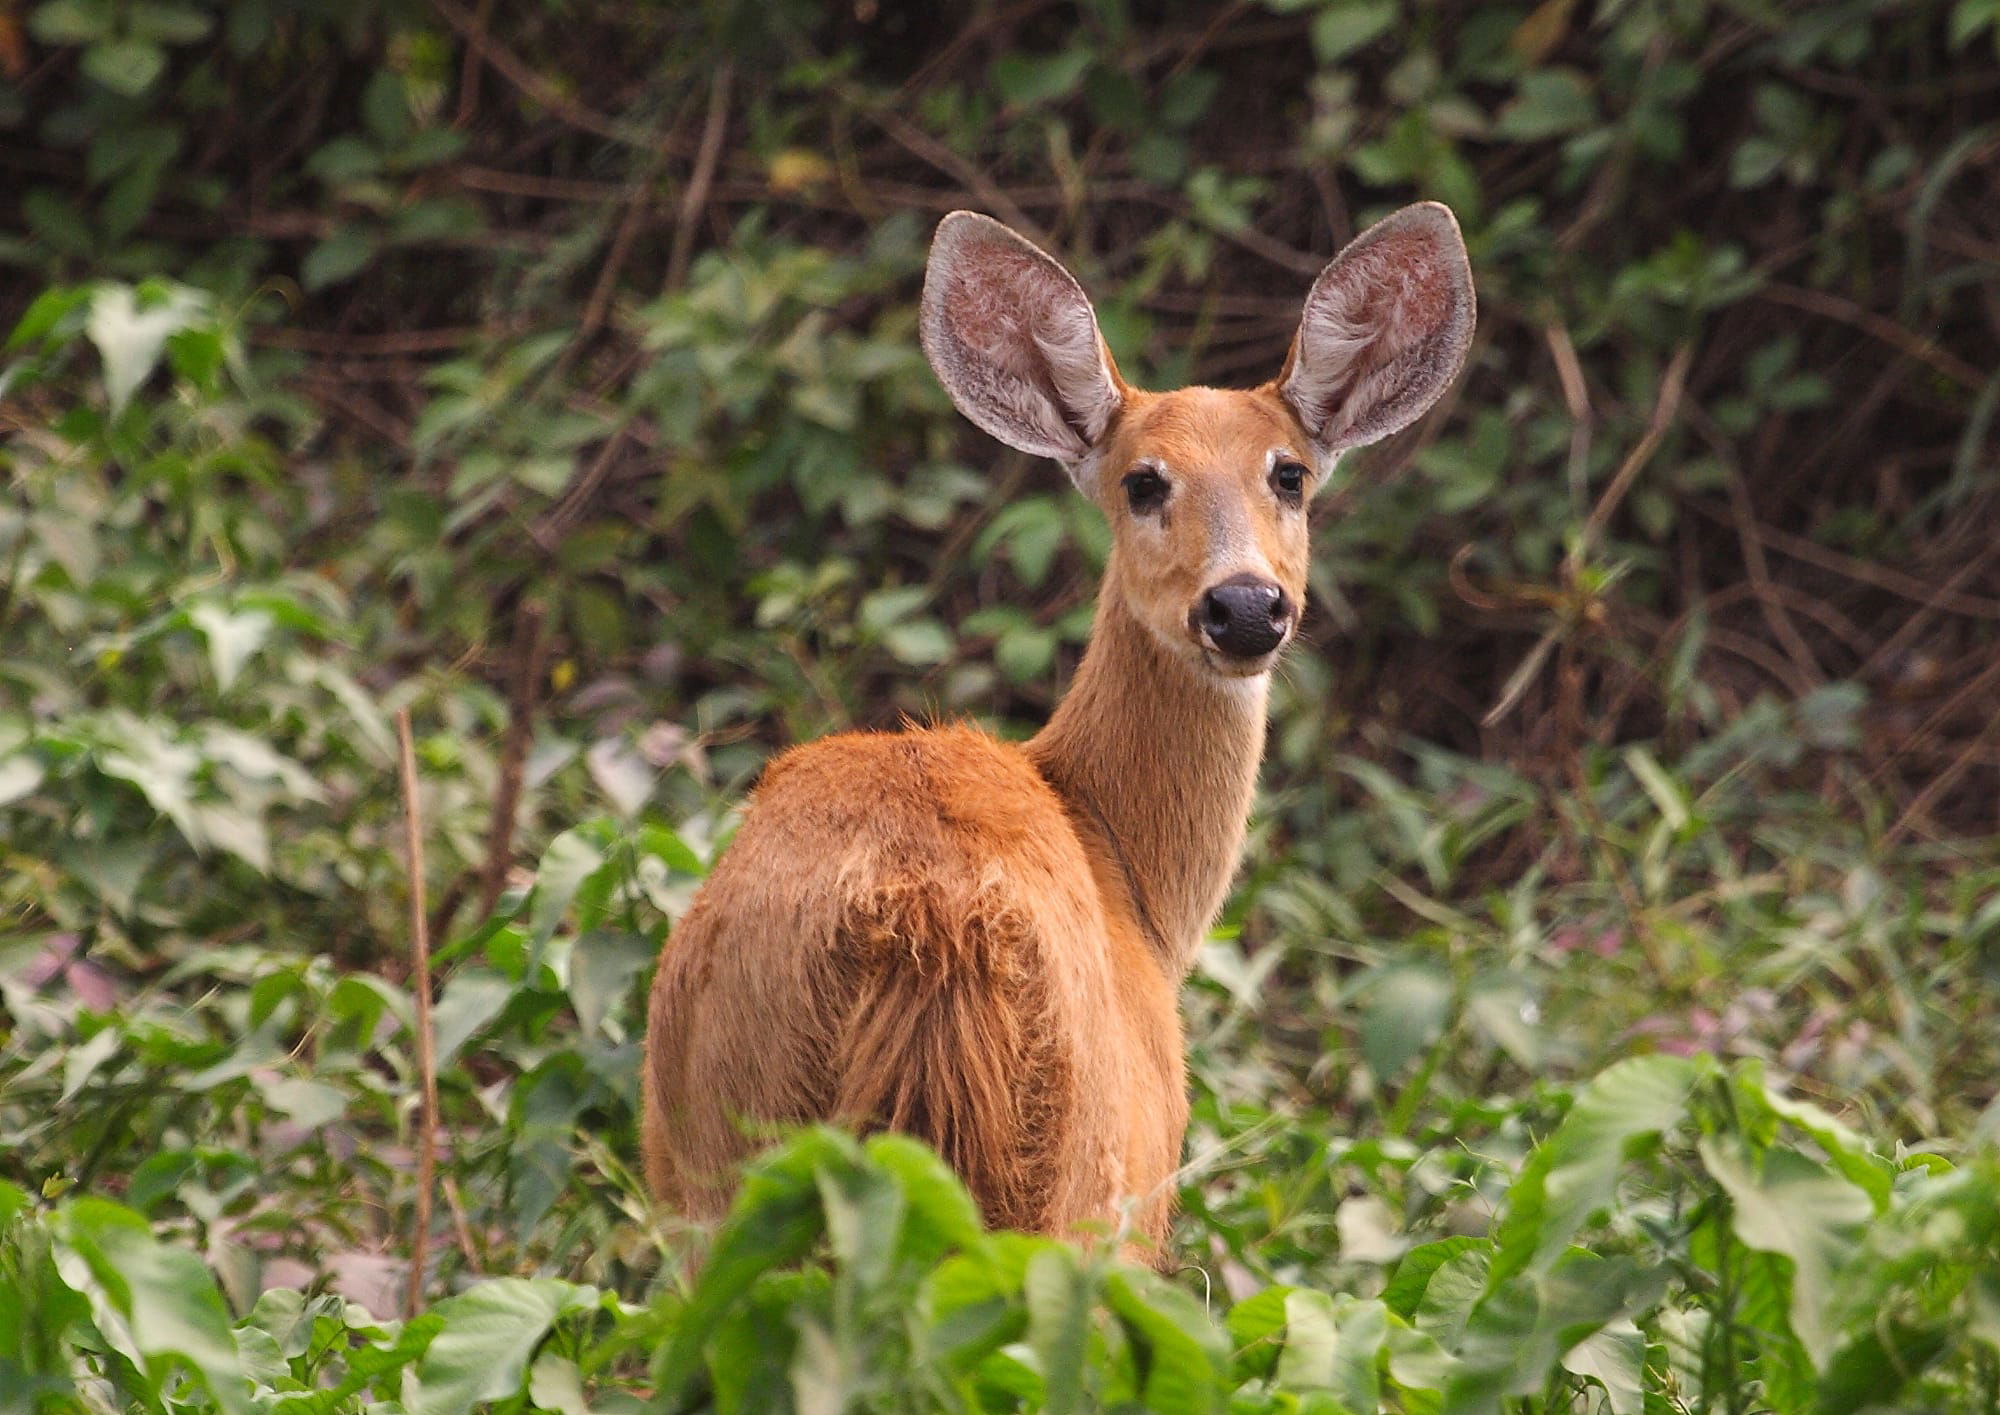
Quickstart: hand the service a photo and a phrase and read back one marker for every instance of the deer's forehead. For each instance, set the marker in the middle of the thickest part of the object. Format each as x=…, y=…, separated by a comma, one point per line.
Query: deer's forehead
x=1208, y=430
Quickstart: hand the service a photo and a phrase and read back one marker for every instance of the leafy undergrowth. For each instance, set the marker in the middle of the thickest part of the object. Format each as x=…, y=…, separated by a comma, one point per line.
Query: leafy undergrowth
x=213, y=1178
x=1685, y=1238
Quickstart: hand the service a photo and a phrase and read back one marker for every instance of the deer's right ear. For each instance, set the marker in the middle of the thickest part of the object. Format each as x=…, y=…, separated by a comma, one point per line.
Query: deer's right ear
x=1014, y=341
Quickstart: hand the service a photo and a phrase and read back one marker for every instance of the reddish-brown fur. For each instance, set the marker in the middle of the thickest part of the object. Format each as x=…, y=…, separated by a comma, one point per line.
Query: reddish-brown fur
x=981, y=943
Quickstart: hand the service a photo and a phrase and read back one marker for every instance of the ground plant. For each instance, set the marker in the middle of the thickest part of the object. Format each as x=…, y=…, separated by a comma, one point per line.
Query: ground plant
x=1605, y=1017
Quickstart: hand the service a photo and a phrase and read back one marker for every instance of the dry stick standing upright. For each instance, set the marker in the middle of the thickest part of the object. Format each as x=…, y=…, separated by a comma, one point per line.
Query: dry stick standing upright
x=420, y=988
x=981, y=943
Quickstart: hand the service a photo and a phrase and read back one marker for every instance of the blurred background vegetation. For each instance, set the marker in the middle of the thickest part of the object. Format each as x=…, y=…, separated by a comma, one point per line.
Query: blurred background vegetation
x=549, y=369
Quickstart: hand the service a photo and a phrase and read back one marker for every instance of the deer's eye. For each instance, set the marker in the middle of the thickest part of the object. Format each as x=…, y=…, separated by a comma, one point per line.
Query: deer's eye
x=1145, y=491
x=1288, y=481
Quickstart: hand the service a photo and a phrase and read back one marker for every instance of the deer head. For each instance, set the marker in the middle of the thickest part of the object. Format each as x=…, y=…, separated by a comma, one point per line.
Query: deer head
x=1206, y=489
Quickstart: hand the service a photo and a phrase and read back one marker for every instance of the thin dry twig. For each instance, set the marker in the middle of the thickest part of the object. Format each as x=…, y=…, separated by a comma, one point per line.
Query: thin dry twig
x=1880, y=325
x=470, y=69
x=517, y=72
x=1946, y=779
x=695, y=197
x=922, y=145
x=1576, y=394
x=1672, y=384
x=1868, y=572
x=530, y=654
x=420, y=985
x=1768, y=602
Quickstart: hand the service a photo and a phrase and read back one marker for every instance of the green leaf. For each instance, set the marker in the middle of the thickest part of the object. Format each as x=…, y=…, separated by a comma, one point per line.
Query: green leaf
x=864, y=1219
x=166, y=23
x=918, y=642
x=1180, y=1353
x=1059, y=1294
x=1029, y=80
x=232, y=637
x=1334, y=1344
x=155, y=1302
x=1548, y=103
x=489, y=1336
x=1257, y=1326
x=127, y=66
x=1794, y=1208
x=73, y=21
x=1346, y=25
x=472, y=997
x=625, y=777
x=1668, y=797
x=1615, y=1358
x=342, y=255
x=130, y=333
x=941, y=1214
x=602, y=966
x=776, y=1218
x=1405, y=1292
x=1404, y=1012
x=1574, y=1173
x=20, y=774
x=566, y=864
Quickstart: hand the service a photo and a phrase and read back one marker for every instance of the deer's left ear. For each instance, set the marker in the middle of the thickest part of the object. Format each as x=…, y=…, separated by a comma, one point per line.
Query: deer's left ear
x=1384, y=332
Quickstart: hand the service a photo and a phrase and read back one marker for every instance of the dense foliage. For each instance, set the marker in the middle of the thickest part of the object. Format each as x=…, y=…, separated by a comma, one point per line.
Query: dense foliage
x=1606, y=1020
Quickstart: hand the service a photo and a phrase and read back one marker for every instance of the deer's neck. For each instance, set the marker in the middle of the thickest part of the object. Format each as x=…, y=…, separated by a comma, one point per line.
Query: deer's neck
x=1157, y=762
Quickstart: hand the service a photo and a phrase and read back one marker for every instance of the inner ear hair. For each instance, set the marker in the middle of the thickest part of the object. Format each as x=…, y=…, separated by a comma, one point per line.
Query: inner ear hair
x=1014, y=341
x=1385, y=330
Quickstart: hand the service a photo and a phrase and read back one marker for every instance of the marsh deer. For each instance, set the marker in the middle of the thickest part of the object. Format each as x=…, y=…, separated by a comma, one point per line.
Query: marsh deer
x=981, y=943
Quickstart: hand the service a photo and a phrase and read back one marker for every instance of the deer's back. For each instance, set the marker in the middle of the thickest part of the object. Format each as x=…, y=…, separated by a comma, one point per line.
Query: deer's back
x=907, y=931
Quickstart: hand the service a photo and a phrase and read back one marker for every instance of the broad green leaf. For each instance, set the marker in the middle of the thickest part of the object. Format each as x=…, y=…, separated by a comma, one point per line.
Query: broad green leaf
x=129, y=66
x=864, y=1219
x=1549, y=103
x=167, y=23
x=82, y=1062
x=1028, y=80
x=1453, y=1291
x=232, y=637
x=1346, y=25
x=130, y=333
x=307, y=1103
x=1849, y=1153
x=1257, y=1327
x=555, y=1383
x=20, y=774
x=1874, y=1367
x=342, y=255
x=566, y=864
x=1403, y=1013
x=489, y=1335
x=1184, y=1359
x=1059, y=1294
x=1615, y=1358
x=256, y=760
x=72, y=21
x=1574, y=1173
x=602, y=966
x=777, y=1216
x=471, y=998
x=155, y=1301
x=625, y=777
x=1334, y=1344
x=1794, y=1208
x=941, y=1214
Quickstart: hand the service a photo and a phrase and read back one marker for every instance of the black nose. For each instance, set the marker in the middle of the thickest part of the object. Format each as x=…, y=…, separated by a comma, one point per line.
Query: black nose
x=1244, y=617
